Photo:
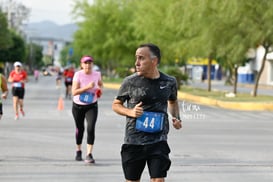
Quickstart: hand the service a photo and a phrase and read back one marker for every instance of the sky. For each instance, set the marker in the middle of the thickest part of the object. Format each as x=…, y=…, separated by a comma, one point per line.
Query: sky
x=57, y=11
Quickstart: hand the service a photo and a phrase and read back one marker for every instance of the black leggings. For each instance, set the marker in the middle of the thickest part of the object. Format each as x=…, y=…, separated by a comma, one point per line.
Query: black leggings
x=80, y=112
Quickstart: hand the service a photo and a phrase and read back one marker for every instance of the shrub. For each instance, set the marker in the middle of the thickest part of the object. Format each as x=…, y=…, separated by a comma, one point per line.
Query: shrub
x=123, y=72
x=178, y=74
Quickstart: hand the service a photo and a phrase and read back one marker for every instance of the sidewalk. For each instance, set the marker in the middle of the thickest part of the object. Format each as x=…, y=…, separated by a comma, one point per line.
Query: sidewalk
x=219, y=85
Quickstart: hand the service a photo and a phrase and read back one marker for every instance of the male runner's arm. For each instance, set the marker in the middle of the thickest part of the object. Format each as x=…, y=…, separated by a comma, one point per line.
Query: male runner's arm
x=4, y=87
x=174, y=111
x=119, y=108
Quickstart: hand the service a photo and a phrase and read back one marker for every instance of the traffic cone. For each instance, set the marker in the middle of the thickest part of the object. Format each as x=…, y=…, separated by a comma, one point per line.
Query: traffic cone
x=60, y=104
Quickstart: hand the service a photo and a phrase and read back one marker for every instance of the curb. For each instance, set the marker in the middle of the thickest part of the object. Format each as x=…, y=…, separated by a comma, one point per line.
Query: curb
x=243, y=106
x=111, y=85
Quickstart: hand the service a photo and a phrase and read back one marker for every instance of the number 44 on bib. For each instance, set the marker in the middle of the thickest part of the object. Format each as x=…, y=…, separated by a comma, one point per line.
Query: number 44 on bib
x=150, y=122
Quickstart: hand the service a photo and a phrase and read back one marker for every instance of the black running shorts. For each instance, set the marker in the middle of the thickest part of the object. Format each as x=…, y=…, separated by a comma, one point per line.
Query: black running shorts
x=1, y=109
x=135, y=157
x=18, y=92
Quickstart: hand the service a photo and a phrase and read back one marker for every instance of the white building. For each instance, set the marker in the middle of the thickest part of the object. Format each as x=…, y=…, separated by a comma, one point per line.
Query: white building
x=267, y=74
x=247, y=73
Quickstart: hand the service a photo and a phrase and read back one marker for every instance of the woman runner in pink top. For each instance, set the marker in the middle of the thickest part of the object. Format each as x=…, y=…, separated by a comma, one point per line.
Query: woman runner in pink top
x=86, y=89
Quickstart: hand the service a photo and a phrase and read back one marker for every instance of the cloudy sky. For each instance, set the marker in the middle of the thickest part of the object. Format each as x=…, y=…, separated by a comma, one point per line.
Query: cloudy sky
x=57, y=11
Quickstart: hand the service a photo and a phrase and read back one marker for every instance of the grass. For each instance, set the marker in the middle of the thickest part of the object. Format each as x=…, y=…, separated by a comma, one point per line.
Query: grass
x=220, y=95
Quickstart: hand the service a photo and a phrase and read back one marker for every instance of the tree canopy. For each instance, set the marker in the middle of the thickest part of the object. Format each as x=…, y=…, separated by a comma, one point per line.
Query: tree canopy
x=16, y=52
x=5, y=38
x=13, y=47
x=110, y=30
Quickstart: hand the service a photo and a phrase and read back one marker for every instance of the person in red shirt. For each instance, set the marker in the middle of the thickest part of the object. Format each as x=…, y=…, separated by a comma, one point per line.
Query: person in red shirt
x=18, y=77
x=68, y=77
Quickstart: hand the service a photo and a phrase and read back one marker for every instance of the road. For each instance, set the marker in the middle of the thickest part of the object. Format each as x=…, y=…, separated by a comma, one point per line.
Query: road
x=214, y=145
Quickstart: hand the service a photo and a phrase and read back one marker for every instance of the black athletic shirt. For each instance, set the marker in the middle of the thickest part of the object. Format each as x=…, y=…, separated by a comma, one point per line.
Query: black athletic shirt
x=154, y=95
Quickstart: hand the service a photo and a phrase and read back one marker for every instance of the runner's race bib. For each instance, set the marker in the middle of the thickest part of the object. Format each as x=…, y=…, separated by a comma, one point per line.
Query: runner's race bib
x=68, y=79
x=17, y=84
x=150, y=122
x=86, y=97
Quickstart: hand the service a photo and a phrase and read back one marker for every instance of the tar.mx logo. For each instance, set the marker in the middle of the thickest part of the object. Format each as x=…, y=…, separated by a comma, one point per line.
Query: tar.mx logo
x=191, y=111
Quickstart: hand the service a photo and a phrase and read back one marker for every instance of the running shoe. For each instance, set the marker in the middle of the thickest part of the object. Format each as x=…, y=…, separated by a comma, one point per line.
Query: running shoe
x=16, y=116
x=22, y=112
x=89, y=159
x=78, y=156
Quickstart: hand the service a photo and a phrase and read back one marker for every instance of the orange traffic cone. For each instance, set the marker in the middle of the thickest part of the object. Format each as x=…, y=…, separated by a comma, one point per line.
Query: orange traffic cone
x=60, y=104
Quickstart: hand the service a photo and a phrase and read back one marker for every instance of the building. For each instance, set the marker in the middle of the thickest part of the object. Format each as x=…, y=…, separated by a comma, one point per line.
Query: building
x=197, y=68
x=51, y=47
x=247, y=73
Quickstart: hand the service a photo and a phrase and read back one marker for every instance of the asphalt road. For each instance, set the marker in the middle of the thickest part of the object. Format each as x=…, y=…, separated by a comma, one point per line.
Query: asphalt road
x=215, y=145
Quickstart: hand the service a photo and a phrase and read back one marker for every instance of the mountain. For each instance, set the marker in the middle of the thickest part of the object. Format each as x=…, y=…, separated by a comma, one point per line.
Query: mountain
x=49, y=29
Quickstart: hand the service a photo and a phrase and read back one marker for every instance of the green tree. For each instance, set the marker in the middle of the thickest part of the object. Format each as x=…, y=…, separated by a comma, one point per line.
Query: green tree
x=257, y=23
x=229, y=41
x=226, y=29
x=16, y=52
x=151, y=23
x=211, y=28
x=197, y=29
x=105, y=32
x=5, y=37
x=111, y=29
